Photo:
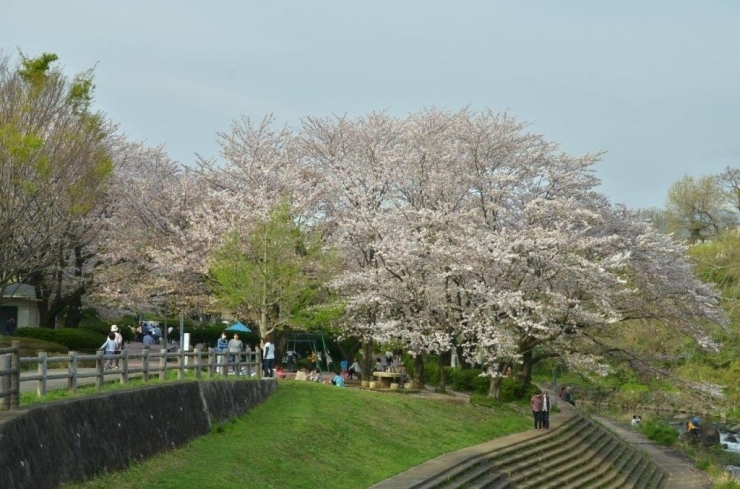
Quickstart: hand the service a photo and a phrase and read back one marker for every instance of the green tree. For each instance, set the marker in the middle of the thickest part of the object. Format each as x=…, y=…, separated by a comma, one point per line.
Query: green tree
x=271, y=275
x=55, y=166
x=696, y=208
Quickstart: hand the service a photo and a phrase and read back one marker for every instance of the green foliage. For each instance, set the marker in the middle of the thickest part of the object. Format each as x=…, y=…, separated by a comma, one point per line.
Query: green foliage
x=271, y=275
x=35, y=70
x=468, y=381
x=30, y=347
x=76, y=339
x=659, y=431
x=80, y=92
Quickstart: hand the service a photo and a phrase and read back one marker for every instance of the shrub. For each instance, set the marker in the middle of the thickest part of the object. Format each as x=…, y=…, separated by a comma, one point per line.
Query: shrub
x=76, y=339
x=468, y=381
x=659, y=431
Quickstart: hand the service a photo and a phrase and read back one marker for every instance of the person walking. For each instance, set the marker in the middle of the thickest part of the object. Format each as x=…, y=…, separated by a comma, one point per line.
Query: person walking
x=269, y=352
x=119, y=344
x=109, y=347
x=222, y=346
x=545, y=413
x=536, y=404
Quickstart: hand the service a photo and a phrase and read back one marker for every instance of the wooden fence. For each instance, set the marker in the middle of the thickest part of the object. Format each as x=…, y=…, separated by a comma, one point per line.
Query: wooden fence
x=145, y=365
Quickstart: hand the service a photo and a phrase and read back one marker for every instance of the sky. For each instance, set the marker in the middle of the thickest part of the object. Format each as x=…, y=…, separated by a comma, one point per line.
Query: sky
x=655, y=85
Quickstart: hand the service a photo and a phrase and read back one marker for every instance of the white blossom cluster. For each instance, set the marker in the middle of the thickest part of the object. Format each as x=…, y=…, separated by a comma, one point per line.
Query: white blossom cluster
x=455, y=230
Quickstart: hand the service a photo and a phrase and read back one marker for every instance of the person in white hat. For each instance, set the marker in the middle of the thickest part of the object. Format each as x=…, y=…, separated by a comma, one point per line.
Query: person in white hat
x=119, y=343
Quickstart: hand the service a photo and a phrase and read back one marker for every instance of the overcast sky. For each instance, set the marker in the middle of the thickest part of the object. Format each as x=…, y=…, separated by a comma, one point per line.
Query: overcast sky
x=654, y=84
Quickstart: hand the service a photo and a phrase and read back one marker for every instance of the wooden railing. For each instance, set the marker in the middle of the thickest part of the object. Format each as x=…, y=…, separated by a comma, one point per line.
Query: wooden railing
x=144, y=365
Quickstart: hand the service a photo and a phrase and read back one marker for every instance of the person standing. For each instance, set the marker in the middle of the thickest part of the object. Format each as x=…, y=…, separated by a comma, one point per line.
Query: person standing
x=119, y=344
x=545, y=413
x=388, y=359
x=235, y=348
x=222, y=347
x=10, y=326
x=329, y=363
x=109, y=347
x=269, y=352
x=536, y=404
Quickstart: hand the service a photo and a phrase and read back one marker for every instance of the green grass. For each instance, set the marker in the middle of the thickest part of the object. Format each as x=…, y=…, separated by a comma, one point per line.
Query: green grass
x=314, y=435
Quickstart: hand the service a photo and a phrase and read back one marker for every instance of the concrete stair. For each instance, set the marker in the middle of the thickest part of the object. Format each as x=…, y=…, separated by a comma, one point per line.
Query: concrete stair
x=579, y=453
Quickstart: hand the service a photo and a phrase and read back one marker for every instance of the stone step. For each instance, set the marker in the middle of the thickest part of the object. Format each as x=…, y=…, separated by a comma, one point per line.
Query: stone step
x=546, y=451
x=469, y=470
x=547, y=459
x=615, y=479
x=603, y=471
x=585, y=469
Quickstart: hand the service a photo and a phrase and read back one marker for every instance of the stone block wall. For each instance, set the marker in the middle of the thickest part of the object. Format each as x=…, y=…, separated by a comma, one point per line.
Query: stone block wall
x=78, y=438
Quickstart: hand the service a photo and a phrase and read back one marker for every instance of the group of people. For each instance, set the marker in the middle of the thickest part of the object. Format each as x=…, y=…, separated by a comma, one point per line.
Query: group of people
x=566, y=395
x=541, y=406
x=232, y=348
x=147, y=333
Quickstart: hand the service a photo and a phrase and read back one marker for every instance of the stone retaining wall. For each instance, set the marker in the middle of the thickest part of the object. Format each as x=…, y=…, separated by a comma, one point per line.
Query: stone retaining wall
x=75, y=439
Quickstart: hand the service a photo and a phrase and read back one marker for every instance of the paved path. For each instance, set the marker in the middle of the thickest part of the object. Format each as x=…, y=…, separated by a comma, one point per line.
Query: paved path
x=683, y=474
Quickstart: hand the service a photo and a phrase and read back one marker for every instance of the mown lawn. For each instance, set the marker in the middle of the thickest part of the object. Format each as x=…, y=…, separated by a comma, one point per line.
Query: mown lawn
x=314, y=435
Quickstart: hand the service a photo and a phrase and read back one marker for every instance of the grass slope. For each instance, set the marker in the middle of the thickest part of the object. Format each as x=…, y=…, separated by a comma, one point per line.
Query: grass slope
x=314, y=435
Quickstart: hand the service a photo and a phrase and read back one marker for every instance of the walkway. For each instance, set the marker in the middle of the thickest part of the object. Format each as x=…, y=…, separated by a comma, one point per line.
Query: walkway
x=680, y=469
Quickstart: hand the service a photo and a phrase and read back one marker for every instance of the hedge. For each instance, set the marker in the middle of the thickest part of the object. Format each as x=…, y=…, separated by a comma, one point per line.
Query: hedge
x=76, y=339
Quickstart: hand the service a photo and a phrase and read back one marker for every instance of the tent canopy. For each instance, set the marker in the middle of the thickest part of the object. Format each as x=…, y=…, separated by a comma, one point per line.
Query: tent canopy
x=238, y=327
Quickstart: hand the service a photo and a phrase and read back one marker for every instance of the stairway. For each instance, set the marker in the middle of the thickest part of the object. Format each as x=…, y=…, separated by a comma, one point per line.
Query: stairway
x=579, y=453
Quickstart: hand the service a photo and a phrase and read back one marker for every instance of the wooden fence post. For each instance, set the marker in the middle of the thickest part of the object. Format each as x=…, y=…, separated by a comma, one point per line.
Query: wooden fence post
x=163, y=364
x=43, y=367
x=145, y=364
x=100, y=367
x=15, y=377
x=5, y=362
x=124, y=369
x=72, y=372
x=197, y=363
x=181, y=366
x=211, y=363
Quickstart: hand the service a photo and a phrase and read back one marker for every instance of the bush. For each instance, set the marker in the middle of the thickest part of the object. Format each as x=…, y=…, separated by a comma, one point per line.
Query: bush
x=468, y=380
x=76, y=339
x=659, y=431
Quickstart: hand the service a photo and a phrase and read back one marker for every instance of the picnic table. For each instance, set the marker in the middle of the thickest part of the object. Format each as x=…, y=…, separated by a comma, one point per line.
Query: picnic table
x=387, y=378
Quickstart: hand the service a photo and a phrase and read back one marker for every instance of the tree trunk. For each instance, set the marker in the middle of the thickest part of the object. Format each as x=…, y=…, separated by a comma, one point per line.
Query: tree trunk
x=367, y=358
x=525, y=373
x=74, y=313
x=494, y=388
x=464, y=365
x=442, y=377
x=419, y=371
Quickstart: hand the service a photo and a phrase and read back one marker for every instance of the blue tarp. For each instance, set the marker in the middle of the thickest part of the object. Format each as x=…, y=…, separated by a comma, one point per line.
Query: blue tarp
x=237, y=326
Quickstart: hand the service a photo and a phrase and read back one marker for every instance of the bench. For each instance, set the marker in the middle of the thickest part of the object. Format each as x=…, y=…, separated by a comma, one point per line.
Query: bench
x=387, y=378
